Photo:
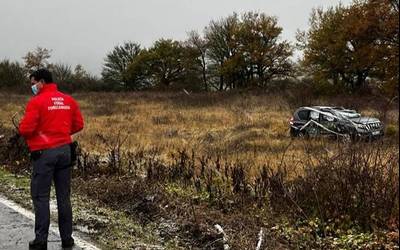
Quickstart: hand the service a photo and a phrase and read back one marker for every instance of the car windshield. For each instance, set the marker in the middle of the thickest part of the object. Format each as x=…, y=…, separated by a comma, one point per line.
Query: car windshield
x=346, y=114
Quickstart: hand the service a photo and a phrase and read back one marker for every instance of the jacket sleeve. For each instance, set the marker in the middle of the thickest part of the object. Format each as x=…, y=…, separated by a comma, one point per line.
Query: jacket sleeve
x=77, y=119
x=30, y=121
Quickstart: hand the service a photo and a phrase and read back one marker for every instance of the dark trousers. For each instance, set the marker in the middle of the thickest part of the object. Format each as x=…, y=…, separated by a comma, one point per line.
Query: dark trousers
x=52, y=165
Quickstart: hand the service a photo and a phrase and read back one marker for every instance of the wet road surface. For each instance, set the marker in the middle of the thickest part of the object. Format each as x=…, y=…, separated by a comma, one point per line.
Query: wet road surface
x=17, y=229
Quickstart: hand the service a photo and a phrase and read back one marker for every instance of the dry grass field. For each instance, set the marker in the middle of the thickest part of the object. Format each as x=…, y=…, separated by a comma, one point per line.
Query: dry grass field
x=255, y=174
x=247, y=127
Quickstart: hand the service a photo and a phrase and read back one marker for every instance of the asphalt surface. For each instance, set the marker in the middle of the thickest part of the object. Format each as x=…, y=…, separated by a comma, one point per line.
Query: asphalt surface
x=16, y=230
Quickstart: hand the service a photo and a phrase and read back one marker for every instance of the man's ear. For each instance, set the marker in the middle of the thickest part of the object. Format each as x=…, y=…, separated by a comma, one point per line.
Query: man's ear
x=41, y=83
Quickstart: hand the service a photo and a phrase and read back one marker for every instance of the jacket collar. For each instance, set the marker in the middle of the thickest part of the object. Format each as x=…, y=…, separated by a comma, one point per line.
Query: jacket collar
x=48, y=87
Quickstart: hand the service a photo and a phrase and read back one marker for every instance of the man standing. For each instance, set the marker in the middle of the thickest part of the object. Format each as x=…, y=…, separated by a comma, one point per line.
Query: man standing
x=50, y=119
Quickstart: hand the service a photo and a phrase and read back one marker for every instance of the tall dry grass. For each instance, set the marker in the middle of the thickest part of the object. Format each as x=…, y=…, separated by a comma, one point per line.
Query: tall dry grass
x=227, y=158
x=243, y=126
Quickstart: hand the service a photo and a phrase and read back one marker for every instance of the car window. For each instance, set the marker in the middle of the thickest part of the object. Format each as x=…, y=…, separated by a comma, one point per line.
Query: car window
x=327, y=118
x=303, y=114
x=314, y=115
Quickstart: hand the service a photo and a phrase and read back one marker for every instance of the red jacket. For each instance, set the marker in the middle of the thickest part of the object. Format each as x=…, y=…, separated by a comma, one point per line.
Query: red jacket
x=50, y=119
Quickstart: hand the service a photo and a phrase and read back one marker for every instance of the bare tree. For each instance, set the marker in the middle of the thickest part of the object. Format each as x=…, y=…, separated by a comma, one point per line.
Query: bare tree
x=62, y=72
x=37, y=58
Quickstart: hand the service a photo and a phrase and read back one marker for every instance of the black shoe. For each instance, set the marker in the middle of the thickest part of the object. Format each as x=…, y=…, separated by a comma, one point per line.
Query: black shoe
x=37, y=245
x=68, y=243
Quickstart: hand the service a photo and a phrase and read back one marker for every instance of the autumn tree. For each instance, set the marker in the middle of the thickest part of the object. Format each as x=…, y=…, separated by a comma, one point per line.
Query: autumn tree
x=222, y=48
x=139, y=72
x=37, y=59
x=246, y=50
x=161, y=65
x=383, y=20
x=117, y=61
x=265, y=56
x=167, y=61
x=198, y=47
x=348, y=45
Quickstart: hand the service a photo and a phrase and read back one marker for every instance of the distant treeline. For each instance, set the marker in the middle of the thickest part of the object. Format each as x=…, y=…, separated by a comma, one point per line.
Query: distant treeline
x=346, y=48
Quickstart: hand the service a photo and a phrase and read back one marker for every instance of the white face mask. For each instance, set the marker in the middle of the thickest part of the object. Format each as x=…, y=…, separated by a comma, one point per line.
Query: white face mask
x=35, y=89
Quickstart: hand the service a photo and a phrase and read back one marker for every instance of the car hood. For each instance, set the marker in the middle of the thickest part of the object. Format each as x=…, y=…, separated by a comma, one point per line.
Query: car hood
x=365, y=120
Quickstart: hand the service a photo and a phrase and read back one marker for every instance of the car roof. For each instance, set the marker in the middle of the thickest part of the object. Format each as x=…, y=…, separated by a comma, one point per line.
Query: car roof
x=336, y=111
x=319, y=108
x=328, y=107
x=334, y=108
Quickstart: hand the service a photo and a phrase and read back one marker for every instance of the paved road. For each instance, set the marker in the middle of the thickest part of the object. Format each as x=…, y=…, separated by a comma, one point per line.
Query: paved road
x=16, y=229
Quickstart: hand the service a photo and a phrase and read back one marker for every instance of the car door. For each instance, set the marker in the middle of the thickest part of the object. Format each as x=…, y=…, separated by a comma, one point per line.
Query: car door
x=303, y=116
x=329, y=121
x=313, y=129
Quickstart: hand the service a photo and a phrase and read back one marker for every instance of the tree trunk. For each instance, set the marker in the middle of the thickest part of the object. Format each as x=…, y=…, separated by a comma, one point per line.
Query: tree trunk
x=204, y=71
x=348, y=81
x=335, y=79
x=165, y=82
x=360, y=83
x=260, y=74
x=221, y=80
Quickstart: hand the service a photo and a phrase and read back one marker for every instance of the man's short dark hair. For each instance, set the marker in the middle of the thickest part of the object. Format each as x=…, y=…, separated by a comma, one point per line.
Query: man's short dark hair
x=42, y=74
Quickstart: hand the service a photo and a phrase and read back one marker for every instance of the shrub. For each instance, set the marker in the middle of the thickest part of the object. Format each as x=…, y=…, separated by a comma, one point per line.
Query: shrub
x=360, y=182
x=391, y=130
x=12, y=76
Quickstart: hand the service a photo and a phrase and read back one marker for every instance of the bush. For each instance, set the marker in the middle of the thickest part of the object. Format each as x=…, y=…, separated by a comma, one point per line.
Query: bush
x=12, y=76
x=360, y=183
x=339, y=195
x=14, y=153
x=392, y=130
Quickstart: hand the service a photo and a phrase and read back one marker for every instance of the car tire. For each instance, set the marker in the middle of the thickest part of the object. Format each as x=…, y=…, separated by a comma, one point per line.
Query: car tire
x=346, y=138
x=294, y=132
x=303, y=134
x=355, y=137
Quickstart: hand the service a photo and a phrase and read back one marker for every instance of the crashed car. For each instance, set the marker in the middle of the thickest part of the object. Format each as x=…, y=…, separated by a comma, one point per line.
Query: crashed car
x=335, y=122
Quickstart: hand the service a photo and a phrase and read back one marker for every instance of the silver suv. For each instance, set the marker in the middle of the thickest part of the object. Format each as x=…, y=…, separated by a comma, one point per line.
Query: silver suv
x=335, y=122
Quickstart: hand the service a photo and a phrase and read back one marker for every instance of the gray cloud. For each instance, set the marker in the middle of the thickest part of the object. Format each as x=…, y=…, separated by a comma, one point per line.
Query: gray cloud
x=83, y=31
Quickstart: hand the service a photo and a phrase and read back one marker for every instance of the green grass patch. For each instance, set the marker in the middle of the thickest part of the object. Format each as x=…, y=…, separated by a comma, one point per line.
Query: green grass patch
x=110, y=229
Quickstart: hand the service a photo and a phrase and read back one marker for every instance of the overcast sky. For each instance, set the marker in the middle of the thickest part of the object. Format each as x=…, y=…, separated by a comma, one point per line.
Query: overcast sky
x=84, y=31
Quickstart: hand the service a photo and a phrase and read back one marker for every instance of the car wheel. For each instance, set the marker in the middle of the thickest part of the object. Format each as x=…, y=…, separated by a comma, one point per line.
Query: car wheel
x=355, y=137
x=303, y=134
x=346, y=138
x=294, y=132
